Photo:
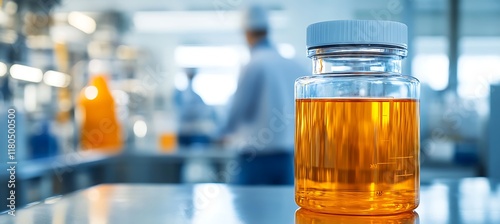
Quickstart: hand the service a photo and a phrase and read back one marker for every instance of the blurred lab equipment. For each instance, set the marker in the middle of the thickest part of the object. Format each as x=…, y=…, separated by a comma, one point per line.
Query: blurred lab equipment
x=261, y=113
x=196, y=118
x=453, y=137
x=357, y=141
x=63, y=126
x=100, y=128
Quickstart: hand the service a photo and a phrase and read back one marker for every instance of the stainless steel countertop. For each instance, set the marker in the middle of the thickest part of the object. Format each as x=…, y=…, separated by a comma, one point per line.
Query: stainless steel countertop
x=471, y=200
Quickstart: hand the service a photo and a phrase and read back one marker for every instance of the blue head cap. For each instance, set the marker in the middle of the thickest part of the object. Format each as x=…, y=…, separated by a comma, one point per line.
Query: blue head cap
x=256, y=18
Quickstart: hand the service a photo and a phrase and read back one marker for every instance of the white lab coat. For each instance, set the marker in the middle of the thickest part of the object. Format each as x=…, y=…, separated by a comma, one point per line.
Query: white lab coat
x=262, y=110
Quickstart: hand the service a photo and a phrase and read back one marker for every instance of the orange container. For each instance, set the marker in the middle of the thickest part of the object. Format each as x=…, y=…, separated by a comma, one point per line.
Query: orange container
x=168, y=142
x=100, y=129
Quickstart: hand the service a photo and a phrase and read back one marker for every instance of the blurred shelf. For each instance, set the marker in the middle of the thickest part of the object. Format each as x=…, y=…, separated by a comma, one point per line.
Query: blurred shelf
x=41, y=178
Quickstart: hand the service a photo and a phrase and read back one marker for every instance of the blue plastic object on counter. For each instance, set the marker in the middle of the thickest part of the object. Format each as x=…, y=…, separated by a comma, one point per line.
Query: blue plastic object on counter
x=43, y=143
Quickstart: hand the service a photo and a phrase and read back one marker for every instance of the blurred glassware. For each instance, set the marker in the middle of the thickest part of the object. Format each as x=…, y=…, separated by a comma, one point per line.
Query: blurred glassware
x=166, y=129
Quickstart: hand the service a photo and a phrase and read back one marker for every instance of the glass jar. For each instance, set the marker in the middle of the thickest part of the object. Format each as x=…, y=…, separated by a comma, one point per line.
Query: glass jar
x=357, y=121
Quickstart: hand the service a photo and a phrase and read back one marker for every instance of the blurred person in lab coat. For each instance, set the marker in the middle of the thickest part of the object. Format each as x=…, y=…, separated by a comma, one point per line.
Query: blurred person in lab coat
x=261, y=116
x=196, y=118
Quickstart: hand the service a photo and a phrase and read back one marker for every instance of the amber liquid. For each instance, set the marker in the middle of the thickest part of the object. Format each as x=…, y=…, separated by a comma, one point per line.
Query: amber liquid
x=357, y=156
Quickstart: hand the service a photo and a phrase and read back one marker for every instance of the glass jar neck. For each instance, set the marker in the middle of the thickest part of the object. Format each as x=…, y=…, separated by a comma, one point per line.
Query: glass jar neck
x=357, y=60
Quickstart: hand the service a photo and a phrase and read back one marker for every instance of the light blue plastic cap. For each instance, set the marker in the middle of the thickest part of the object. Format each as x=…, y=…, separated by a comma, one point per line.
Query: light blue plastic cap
x=343, y=32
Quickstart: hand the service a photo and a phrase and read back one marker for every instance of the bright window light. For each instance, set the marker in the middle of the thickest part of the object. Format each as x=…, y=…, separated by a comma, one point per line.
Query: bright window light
x=207, y=56
x=181, y=82
x=26, y=73
x=197, y=21
x=286, y=50
x=217, y=66
x=56, y=79
x=208, y=86
x=99, y=67
x=181, y=21
x=3, y=69
x=432, y=69
x=82, y=22
x=476, y=73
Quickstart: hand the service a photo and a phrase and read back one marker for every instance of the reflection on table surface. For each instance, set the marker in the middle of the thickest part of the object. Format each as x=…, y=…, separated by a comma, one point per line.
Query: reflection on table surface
x=464, y=201
x=303, y=216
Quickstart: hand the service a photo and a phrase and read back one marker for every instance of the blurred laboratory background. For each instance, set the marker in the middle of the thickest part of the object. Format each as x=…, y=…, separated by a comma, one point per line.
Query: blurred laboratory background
x=164, y=74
